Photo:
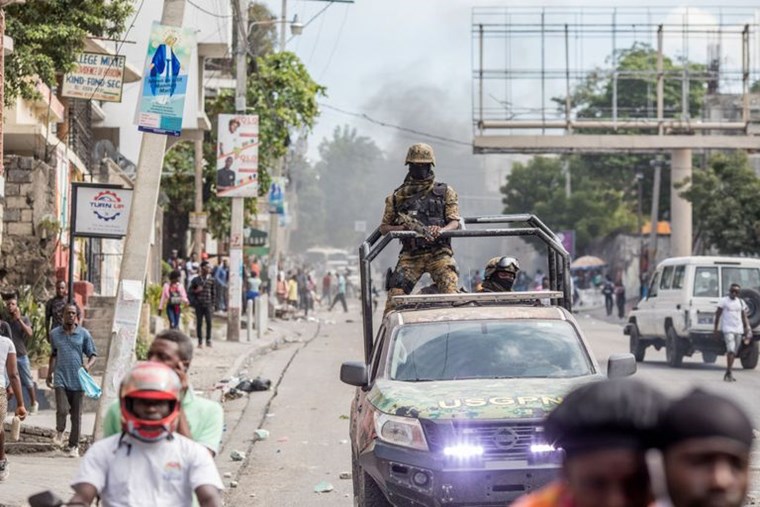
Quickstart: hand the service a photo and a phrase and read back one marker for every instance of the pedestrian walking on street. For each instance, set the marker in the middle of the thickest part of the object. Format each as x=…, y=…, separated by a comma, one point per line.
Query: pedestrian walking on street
x=293, y=292
x=706, y=444
x=173, y=296
x=21, y=334
x=69, y=343
x=222, y=277
x=203, y=290
x=281, y=289
x=620, y=298
x=149, y=462
x=54, y=308
x=608, y=289
x=604, y=429
x=200, y=419
x=8, y=368
x=732, y=317
x=326, y=282
x=341, y=294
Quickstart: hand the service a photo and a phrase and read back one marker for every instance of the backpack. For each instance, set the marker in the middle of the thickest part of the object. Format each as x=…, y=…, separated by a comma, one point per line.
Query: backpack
x=175, y=298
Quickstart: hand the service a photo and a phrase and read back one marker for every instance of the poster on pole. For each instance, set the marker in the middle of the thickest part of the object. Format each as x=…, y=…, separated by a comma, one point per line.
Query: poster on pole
x=95, y=77
x=165, y=75
x=101, y=211
x=237, y=159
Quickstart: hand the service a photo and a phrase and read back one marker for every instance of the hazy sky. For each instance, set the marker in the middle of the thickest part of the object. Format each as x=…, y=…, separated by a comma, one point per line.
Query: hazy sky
x=369, y=51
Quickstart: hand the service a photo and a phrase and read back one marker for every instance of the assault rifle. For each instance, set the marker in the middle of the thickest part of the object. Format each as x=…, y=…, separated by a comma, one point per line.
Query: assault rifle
x=415, y=225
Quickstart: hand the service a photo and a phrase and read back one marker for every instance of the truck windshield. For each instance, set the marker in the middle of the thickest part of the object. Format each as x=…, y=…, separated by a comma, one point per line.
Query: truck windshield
x=488, y=349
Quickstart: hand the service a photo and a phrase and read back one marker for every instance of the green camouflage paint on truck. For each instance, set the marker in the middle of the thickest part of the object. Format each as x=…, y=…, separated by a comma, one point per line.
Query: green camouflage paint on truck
x=518, y=398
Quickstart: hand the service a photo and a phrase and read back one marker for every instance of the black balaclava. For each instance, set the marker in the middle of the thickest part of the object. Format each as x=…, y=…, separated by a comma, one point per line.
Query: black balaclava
x=419, y=171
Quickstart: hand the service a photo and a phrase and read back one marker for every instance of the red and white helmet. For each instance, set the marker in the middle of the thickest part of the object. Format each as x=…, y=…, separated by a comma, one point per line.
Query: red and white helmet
x=150, y=381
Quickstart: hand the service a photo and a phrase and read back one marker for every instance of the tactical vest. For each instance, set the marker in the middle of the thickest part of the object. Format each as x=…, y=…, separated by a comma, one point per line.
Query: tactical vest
x=429, y=210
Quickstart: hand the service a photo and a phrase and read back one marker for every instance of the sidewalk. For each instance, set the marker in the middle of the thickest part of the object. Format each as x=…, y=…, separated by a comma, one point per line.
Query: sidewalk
x=52, y=470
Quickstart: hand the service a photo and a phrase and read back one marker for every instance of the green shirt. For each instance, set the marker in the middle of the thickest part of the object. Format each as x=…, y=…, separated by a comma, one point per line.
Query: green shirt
x=205, y=417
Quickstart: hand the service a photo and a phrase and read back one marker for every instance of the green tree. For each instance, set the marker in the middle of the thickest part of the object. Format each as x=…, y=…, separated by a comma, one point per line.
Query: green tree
x=311, y=205
x=48, y=35
x=348, y=176
x=593, y=210
x=725, y=205
x=284, y=96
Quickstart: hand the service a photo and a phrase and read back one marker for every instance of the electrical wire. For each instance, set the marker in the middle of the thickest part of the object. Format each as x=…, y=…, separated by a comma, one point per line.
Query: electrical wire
x=396, y=127
x=207, y=11
x=335, y=46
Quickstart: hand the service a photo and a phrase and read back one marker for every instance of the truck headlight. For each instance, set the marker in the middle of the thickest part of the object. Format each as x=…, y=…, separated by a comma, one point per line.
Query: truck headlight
x=402, y=431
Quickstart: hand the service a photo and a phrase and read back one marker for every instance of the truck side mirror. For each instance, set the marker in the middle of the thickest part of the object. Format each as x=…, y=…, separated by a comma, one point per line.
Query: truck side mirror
x=621, y=365
x=354, y=373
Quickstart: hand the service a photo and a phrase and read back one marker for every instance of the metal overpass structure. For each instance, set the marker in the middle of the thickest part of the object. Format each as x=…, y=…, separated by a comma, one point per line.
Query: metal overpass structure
x=528, y=62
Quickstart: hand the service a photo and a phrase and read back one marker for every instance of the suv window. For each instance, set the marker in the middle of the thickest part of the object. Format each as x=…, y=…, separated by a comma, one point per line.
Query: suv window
x=653, y=286
x=488, y=349
x=706, y=282
x=747, y=278
x=678, y=276
x=667, y=275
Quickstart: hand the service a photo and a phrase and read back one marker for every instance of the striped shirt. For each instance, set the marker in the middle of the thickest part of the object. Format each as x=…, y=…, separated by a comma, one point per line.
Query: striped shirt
x=68, y=350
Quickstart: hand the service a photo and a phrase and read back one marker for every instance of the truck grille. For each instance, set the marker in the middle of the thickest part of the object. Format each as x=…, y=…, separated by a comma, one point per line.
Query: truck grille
x=499, y=440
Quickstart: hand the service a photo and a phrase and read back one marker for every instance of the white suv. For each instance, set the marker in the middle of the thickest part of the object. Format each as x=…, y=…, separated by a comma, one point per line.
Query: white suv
x=679, y=310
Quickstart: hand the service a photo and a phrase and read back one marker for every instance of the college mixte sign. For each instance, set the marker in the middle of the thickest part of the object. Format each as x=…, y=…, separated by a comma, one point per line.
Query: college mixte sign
x=95, y=77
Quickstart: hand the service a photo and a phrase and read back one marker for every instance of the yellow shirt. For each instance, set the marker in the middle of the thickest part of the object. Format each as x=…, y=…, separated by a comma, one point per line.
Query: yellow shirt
x=292, y=290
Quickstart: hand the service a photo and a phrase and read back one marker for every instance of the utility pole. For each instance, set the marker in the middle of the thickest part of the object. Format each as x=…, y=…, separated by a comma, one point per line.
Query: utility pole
x=134, y=262
x=237, y=219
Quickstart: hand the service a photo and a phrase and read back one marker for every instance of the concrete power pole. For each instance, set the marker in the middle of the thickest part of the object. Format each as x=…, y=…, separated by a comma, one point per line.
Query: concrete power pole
x=134, y=263
x=237, y=219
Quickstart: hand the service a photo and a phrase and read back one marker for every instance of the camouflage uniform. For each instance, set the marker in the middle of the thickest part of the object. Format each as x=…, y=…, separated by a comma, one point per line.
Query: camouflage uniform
x=439, y=206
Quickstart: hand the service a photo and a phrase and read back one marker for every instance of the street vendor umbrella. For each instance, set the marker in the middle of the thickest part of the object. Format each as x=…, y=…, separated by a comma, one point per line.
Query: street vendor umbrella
x=587, y=262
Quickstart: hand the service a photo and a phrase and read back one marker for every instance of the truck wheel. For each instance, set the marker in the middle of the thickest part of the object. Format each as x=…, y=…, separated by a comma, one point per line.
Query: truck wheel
x=752, y=298
x=673, y=349
x=709, y=357
x=637, y=348
x=366, y=491
x=749, y=358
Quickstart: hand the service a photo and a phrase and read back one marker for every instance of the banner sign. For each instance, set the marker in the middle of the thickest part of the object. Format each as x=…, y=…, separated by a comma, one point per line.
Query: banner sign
x=276, y=196
x=100, y=211
x=164, y=84
x=237, y=159
x=95, y=77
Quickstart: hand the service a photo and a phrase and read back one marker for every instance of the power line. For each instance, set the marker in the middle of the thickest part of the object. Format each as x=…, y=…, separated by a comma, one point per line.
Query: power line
x=210, y=13
x=397, y=127
x=335, y=46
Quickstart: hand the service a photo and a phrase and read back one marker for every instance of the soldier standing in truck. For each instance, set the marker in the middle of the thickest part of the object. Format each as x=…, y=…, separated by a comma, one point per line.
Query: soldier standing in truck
x=427, y=207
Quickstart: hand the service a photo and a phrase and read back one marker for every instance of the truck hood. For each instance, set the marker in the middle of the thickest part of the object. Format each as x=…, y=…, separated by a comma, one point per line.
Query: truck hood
x=473, y=399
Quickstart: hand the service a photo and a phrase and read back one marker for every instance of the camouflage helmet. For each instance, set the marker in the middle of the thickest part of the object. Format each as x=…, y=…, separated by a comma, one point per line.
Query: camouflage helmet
x=509, y=264
x=420, y=153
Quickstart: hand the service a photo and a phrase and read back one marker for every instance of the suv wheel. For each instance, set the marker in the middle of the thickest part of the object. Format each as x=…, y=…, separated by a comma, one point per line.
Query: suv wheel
x=637, y=348
x=366, y=491
x=750, y=356
x=709, y=357
x=673, y=348
x=752, y=298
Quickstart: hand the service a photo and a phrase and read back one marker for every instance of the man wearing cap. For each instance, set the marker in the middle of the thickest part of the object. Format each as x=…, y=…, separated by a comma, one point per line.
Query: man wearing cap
x=705, y=441
x=427, y=207
x=604, y=429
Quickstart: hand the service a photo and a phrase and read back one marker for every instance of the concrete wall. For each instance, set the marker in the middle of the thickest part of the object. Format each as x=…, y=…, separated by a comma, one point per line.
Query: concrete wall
x=28, y=221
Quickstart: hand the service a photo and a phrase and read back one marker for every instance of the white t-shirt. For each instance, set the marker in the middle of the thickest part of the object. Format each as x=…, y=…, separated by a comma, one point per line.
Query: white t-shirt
x=166, y=472
x=6, y=347
x=731, y=318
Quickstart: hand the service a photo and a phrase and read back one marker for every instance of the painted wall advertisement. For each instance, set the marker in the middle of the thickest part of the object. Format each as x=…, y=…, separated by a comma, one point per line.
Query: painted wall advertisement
x=101, y=211
x=95, y=77
x=237, y=159
x=164, y=84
